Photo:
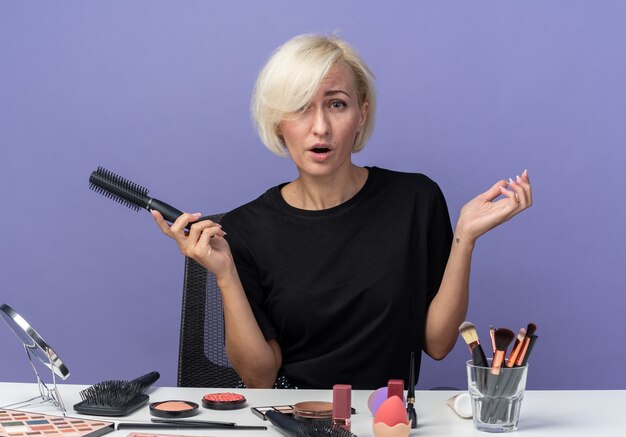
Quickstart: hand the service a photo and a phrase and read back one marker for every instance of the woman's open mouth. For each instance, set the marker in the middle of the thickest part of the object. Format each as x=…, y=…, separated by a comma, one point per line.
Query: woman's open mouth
x=320, y=153
x=320, y=149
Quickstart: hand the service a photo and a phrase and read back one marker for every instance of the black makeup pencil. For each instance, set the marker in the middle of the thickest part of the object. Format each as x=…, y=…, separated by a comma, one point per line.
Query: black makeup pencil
x=192, y=422
x=149, y=425
x=410, y=396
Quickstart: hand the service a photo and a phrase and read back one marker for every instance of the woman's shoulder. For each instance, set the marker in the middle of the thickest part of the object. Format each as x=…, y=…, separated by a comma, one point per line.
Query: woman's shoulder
x=395, y=177
x=255, y=208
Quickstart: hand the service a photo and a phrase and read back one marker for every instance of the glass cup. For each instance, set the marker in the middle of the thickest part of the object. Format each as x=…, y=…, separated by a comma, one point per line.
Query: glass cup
x=496, y=396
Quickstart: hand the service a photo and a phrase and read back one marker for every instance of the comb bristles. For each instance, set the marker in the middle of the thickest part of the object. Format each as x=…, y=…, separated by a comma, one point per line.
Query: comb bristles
x=119, y=189
x=114, y=197
x=324, y=429
x=111, y=393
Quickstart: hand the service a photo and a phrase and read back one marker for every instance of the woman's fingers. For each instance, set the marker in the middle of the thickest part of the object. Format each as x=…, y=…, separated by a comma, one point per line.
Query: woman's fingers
x=523, y=192
x=181, y=222
x=524, y=182
x=197, y=229
x=204, y=241
x=161, y=223
x=494, y=191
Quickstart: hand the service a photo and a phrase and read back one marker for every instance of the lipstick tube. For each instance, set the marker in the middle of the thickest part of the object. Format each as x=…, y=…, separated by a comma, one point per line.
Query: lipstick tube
x=342, y=405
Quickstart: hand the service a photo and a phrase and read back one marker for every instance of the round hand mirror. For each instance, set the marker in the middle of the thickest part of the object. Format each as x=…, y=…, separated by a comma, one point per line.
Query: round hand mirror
x=34, y=344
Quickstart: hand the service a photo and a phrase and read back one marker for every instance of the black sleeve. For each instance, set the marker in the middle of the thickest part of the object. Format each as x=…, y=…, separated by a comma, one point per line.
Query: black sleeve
x=439, y=241
x=248, y=273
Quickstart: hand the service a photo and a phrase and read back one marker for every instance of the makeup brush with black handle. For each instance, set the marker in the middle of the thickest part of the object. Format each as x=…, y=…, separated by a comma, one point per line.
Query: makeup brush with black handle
x=470, y=335
x=130, y=194
x=116, y=397
x=503, y=337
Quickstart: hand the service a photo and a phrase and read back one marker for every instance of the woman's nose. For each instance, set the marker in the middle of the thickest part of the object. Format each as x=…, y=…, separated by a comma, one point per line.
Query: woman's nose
x=320, y=122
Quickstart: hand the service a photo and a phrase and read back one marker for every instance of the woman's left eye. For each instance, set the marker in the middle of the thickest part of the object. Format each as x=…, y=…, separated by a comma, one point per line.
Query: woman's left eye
x=337, y=104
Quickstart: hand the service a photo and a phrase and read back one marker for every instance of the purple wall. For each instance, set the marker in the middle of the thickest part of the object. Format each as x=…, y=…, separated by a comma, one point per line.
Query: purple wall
x=158, y=91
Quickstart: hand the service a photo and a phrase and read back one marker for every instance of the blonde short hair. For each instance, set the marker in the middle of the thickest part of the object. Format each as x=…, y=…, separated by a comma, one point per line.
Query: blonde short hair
x=291, y=77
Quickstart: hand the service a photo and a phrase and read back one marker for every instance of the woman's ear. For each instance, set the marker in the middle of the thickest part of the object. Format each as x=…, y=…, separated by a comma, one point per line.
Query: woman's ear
x=365, y=107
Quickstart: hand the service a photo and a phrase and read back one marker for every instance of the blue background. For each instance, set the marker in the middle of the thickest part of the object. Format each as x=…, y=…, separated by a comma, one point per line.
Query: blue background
x=158, y=92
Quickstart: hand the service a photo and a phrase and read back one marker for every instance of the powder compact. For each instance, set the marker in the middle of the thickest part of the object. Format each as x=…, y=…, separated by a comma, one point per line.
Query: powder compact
x=173, y=409
x=223, y=401
x=284, y=409
x=313, y=410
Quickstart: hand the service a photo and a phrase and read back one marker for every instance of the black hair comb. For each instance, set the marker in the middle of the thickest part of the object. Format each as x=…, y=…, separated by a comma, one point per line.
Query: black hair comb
x=129, y=194
x=116, y=397
x=294, y=428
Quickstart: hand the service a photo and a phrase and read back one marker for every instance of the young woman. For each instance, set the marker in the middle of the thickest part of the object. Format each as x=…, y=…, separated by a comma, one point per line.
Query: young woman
x=336, y=276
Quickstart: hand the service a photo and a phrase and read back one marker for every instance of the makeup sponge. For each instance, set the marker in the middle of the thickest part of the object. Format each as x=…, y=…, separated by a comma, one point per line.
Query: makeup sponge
x=391, y=412
x=391, y=419
x=375, y=399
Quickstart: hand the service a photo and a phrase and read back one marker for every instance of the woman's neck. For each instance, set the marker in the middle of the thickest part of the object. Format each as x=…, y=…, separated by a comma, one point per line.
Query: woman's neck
x=316, y=193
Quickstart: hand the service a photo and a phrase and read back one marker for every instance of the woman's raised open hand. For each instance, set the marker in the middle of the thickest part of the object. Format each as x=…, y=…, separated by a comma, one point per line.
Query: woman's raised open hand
x=486, y=211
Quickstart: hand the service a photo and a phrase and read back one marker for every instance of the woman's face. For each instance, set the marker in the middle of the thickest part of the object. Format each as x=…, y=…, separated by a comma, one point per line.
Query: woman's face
x=320, y=137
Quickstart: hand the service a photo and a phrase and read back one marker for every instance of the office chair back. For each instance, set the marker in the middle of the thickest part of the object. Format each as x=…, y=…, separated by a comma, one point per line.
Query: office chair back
x=202, y=360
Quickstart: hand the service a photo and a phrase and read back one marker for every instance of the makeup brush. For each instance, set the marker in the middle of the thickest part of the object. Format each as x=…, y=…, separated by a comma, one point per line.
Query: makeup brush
x=411, y=414
x=498, y=409
x=130, y=194
x=492, y=335
x=293, y=428
x=531, y=344
x=530, y=331
x=116, y=397
x=503, y=337
x=469, y=334
x=517, y=347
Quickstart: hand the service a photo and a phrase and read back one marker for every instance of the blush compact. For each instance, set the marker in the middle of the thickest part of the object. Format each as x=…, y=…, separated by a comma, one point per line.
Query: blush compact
x=173, y=409
x=223, y=401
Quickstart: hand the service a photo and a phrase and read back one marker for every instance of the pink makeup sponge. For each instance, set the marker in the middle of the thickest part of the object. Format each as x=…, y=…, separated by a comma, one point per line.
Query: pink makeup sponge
x=391, y=419
x=391, y=412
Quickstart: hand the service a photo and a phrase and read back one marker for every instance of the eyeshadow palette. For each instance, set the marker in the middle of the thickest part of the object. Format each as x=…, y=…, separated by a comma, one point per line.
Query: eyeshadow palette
x=14, y=423
x=260, y=411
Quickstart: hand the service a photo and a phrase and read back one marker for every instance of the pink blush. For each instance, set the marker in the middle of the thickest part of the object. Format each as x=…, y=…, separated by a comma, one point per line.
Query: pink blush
x=173, y=406
x=173, y=409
